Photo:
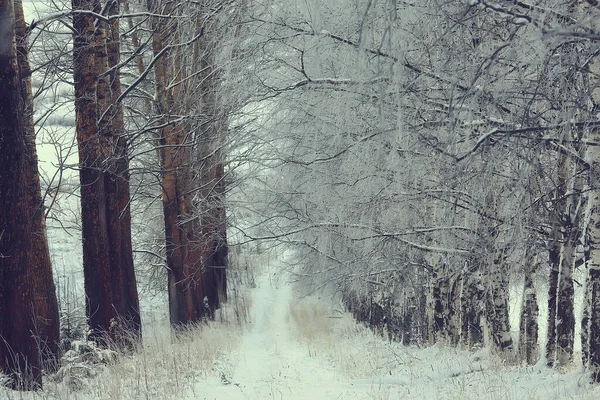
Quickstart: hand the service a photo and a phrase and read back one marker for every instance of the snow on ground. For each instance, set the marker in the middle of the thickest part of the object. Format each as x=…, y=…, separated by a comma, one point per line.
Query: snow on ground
x=270, y=363
x=305, y=349
x=302, y=349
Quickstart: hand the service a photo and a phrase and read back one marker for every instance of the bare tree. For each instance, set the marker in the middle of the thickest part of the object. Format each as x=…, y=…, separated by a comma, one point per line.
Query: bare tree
x=190, y=158
x=111, y=292
x=28, y=307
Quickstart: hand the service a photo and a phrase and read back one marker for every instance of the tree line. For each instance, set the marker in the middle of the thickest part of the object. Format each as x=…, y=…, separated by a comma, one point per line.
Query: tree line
x=426, y=159
x=419, y=160
x=187, y=130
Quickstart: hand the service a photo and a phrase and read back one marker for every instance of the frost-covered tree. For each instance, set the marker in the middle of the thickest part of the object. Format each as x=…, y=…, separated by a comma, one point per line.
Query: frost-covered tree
x=426, y=153
x=191, y=128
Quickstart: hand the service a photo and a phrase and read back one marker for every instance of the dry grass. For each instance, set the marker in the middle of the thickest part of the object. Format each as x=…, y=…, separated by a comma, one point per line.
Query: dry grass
x=166, y=367
x=334, y=336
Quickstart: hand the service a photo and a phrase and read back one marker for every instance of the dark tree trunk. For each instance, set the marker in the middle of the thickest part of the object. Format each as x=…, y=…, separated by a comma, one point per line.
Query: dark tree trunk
x=183, y=233
x=211, y=194
x=220, y=258
x=554, y=258
x=471, y=312
x=593, y=363
x=111, y=292
x=556, y=279
x=19, y=351
x=46, y=304
x=118, y=192
x=497, y=313
x=439, y=296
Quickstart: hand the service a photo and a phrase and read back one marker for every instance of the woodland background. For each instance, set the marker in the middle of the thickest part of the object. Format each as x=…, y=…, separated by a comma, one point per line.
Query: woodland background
x=426, y=163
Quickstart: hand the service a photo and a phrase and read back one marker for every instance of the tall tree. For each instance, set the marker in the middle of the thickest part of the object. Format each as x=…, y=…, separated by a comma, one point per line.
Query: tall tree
x=189, y=152
x=46, y=304
x=28, y=306
x=111, y=293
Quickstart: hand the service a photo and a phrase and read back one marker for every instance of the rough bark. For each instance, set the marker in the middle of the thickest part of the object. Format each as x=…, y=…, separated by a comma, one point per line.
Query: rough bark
x=118, y=191
x=19, y=354
x=210, y=200
x=439, y=297
x=497, y=313
x=593, y=291
x=496, y=278
x=555, y=259
x=191, y=169
x=572, y=222
x=584, y=260
x=46, y=304
x=591, y=346
x=111, y=293
x=221, y=251
x=471, y=295
x=182, y=230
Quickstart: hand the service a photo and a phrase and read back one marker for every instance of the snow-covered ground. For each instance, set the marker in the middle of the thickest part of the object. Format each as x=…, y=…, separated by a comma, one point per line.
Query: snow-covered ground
x=302, y=349
x=306, y=349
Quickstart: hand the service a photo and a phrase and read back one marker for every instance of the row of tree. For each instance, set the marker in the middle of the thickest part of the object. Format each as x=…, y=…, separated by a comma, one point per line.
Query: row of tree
x=420, y=159
x=424, y=158
x=186, y=130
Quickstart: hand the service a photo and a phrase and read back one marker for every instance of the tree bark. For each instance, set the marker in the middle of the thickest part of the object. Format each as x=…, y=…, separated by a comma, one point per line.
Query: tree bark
x=210, y=202
x=118, y=191
x=528, y=331
x=46, y=303
x=184, y=244
x=572, y=229
x=19, y=351
x=111, y=293
x=471, y=311
x=497, y=313
x=592, y=221
x=555, y=259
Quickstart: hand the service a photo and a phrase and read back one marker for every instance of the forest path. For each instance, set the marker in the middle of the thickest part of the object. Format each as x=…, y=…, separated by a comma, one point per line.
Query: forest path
x=270, y=362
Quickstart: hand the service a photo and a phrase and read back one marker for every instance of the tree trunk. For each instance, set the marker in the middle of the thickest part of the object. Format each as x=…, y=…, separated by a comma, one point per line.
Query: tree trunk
x=572, y=234
x=19, y=352
x=555, y=260
x=497, y=313
x=439, y=296
x=528, y=331
x=111, y=293
x=184, y=242
x=592, y=221
x=593, y=290
x=471, y=310
x=211, y=194
x=496, y=278
x=118, y=193
x=46, y=304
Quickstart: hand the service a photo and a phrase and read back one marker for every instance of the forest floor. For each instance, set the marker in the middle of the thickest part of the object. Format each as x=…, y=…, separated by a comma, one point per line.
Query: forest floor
x=306, y=349
x=302, y=348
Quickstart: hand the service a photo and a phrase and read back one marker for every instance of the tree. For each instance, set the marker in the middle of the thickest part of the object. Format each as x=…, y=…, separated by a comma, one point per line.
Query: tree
x=46, y=304
x=191, y=168
x=28, y=306
x=391, y=151
x=111, y=291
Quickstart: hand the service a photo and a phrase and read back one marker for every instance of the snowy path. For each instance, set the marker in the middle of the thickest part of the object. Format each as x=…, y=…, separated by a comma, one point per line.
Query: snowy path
x=271, y=363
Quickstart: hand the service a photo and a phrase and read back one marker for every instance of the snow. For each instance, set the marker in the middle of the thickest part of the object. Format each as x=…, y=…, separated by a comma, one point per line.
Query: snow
x=305, y=348
x=270, y=363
